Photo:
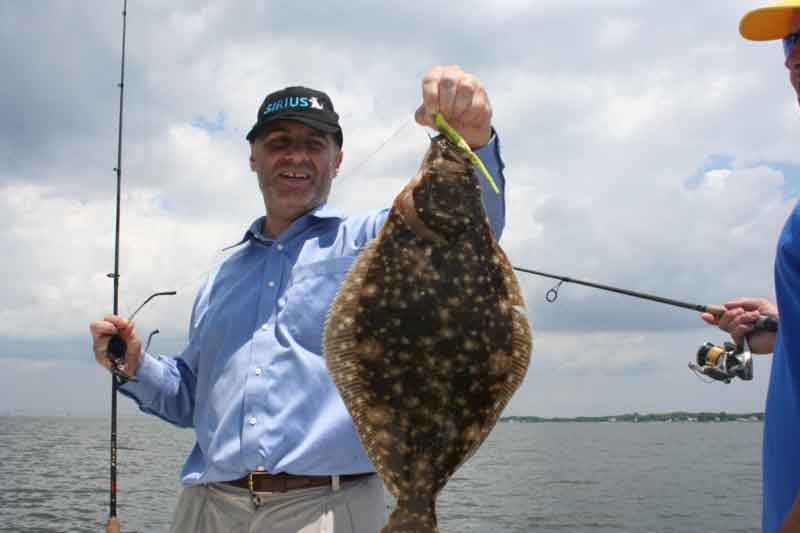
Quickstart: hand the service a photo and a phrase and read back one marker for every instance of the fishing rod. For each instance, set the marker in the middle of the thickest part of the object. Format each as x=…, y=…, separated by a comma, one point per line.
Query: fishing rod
x=113, y=526
x=768, y=323
x=720, y=363
x=552, y=294
x=116, y=345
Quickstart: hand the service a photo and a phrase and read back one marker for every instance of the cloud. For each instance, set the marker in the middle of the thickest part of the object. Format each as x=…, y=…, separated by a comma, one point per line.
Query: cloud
x=648, y=147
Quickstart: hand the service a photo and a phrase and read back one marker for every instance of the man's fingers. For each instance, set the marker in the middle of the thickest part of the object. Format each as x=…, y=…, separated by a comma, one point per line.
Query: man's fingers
x=101, y=331
x=479, y=111
x=465, y=99
x=448, y=88
x=461, y=98
x=748, y=304
x=423, y=118
x=100, y=348
x=102, y=328
x=132, y=355
x=442, y=91
x=430, y=90
x=709, y=319
x=118, y=322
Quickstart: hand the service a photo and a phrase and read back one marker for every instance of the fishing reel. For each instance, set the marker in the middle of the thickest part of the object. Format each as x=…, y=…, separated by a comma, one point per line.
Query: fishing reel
x=723, y=363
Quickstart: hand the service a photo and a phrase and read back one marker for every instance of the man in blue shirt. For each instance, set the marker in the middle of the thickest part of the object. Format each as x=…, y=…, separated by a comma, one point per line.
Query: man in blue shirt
x=276, y=448
x=781, y=449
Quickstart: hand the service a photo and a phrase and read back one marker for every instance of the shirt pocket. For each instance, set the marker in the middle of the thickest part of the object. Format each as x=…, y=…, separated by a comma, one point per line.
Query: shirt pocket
x=309, y=294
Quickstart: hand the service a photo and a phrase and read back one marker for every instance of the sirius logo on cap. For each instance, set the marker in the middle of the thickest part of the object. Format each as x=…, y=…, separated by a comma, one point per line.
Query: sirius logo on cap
x=308, y=106
x=293, y=102
x=315, y=103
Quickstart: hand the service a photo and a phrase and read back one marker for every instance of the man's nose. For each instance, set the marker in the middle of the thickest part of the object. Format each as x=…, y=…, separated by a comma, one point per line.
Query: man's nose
x=297, y=151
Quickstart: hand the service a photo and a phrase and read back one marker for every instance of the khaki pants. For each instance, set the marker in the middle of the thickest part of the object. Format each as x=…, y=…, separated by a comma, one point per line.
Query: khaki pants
x=356, y=507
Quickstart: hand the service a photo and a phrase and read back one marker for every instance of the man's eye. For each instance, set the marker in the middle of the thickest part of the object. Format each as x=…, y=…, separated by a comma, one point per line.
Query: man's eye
x=280, y=142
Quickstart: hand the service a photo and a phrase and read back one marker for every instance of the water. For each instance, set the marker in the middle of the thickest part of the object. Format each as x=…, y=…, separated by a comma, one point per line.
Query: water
x=565, y=477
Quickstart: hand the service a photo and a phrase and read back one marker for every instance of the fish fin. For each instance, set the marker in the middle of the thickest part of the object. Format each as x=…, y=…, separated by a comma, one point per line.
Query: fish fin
x=522, y=347
x=339, y=342
x=406, y=520
x=512, y=284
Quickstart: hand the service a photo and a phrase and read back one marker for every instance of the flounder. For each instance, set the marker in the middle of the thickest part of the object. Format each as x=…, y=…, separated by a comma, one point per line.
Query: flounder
x=424, y=339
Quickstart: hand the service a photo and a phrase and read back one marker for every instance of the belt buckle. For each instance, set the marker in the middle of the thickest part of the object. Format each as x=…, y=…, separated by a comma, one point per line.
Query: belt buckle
x=253, y=492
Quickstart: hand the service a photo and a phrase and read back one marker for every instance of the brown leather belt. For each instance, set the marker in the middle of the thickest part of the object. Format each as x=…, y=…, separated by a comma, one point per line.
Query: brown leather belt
x=264, y=483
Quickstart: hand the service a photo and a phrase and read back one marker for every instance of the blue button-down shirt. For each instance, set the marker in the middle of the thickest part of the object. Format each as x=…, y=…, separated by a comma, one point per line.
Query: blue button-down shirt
x=252, y=380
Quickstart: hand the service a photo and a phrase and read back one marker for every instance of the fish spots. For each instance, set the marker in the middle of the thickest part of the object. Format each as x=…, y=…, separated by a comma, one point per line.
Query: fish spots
x=384, y=439
x=412, y=402
x=370, y=290
x=379, y=416
x=423, y=353
x=371, y=349
x=472, y=433
x=427, y=342
x=500, y=363
x=421, y=467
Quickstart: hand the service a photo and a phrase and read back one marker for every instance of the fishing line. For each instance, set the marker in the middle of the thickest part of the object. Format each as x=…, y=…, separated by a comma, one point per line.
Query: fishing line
x=380, y=147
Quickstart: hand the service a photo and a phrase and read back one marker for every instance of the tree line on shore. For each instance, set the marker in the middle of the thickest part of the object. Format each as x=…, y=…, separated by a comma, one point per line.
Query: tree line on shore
x=677, y=416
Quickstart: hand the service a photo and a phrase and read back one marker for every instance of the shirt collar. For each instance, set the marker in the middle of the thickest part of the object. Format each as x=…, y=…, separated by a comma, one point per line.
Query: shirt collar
x=255, y=231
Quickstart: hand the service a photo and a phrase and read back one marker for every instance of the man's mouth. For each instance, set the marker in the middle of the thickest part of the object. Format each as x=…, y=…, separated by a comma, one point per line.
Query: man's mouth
x=295, y=176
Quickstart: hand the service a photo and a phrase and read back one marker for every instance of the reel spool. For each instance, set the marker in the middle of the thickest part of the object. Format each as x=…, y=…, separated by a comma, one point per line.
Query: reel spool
x=723, y=363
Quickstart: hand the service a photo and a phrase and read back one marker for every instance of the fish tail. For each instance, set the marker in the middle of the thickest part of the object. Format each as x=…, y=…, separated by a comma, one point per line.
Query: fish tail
x=405, y=519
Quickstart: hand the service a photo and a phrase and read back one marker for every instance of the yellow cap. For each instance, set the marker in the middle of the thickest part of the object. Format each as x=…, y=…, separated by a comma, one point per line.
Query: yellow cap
x=773, y=21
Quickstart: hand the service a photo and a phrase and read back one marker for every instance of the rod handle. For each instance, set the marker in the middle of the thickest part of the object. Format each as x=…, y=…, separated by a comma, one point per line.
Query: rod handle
x=716, y=310
x=112, y=526
x=766, y=323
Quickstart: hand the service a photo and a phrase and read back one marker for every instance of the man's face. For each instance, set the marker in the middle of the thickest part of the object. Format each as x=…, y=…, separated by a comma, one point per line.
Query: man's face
x=793, y=64
x=295, y=166
x=793, y=60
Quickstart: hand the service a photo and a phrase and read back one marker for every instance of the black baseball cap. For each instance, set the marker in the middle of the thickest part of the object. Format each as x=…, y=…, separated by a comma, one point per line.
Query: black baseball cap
x=312, y=108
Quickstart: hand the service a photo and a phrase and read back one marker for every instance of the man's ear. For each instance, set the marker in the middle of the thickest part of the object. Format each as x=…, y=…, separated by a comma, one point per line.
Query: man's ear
x=252, y=159
x=339, y=158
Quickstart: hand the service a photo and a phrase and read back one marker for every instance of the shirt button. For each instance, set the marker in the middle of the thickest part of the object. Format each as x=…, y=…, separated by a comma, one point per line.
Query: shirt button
x=279, y=247
x=265, y=327
x=258, y=371
x=252, y=421
x=270, y=284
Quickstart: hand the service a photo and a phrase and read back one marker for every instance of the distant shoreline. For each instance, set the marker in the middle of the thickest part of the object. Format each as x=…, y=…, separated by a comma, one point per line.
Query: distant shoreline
x=680, y=416
x=677, y=416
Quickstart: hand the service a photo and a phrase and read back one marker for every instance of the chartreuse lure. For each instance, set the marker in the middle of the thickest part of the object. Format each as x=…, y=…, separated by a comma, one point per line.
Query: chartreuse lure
x=461, y=144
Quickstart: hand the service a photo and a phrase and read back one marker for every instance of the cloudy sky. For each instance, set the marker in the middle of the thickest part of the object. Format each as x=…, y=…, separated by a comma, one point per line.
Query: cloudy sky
x=647, y=146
